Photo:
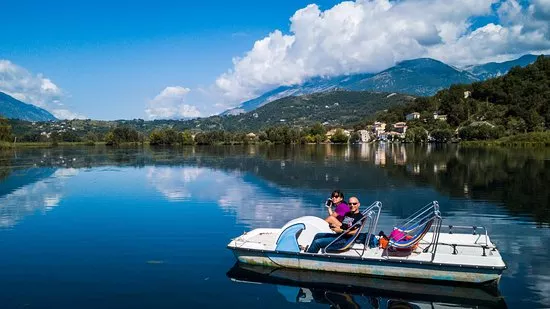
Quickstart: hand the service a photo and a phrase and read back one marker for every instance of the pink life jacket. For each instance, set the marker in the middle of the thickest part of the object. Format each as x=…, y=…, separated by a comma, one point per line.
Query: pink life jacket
x=397, y=235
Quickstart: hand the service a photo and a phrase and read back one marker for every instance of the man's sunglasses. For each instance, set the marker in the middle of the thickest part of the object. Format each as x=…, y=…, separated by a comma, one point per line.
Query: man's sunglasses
x=353, y=203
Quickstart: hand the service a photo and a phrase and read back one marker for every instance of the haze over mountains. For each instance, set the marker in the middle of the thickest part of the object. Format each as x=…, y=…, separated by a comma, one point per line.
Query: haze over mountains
x=418, y=77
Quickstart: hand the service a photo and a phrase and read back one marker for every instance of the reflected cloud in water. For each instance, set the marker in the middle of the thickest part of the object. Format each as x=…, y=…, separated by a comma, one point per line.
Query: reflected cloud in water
x=173, y=183
x=40, y=196
x=254, y=202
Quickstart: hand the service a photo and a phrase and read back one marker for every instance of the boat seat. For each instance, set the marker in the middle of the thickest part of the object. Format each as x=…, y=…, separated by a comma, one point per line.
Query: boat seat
x=288, y=240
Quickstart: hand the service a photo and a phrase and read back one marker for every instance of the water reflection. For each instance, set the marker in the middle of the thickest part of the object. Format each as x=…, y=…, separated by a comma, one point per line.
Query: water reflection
x=346, y=291
x=173, y=182
x=253, y=203
x=266, y=186
x=516, y=179
x=41, y=195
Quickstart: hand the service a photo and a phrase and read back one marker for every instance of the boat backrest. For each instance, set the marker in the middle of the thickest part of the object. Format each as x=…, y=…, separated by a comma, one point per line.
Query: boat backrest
x=408, y=234
x=402, y=239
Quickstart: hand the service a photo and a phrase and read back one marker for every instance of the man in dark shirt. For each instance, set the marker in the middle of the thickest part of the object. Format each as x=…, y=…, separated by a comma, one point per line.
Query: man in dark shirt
x=322, y=240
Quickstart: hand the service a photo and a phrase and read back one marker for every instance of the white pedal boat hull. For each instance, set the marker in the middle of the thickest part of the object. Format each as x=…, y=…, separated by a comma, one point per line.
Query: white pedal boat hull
x=465, y=263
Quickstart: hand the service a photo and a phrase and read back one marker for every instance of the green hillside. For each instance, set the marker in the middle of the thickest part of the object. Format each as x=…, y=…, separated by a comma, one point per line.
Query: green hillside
x=518, y=102
x=335, y=108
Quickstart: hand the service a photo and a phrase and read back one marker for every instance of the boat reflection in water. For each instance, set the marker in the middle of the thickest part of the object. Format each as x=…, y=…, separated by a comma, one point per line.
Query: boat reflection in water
x=347, y=291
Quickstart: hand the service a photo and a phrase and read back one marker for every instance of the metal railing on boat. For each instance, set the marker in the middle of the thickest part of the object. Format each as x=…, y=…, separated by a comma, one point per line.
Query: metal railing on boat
x=370, y=217
x=484, y=246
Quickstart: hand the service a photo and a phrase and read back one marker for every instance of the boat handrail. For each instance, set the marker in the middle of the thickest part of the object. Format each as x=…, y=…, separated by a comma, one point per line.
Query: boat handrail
x=427, y=210
x=483, y=247
x=474, y=228
x=373, y=213
x=468, y=245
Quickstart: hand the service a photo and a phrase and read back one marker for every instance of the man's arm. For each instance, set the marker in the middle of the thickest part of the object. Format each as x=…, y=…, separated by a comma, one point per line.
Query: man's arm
x=340, y=230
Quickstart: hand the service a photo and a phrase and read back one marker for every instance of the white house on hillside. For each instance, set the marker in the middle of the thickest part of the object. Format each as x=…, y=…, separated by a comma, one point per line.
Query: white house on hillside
x=379, y=128
x=364, y=136
x=440, y=117
x=401, y=128
x=412, y=116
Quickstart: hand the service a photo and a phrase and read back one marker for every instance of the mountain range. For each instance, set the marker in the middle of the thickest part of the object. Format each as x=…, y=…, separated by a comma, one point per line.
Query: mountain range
x=12, y=108
x=417, y=77
x=496, y=69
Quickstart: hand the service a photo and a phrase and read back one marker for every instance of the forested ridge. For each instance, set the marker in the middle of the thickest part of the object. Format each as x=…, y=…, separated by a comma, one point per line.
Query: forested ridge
x=515, y=103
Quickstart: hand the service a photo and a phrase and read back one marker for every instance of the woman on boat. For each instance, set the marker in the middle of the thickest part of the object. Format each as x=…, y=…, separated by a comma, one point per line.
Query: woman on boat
x=336, y=216
x=352, y=217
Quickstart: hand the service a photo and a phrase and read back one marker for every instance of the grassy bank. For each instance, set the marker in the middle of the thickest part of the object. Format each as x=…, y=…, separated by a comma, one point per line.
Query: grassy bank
x=533, y=139
x=48, y=144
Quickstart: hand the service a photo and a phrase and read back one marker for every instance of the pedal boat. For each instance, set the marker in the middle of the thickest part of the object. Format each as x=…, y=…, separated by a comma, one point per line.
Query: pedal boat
x=423, y=252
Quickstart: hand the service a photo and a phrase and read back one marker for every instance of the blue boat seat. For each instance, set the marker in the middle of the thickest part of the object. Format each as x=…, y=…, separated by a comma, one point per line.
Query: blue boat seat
x=288, y=239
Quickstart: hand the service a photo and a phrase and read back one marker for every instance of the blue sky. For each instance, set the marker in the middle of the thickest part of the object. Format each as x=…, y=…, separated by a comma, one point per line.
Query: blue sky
x=105, y=60
x=111, y=58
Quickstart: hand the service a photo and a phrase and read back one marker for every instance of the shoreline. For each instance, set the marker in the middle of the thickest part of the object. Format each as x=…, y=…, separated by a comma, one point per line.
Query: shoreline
x=485, y=143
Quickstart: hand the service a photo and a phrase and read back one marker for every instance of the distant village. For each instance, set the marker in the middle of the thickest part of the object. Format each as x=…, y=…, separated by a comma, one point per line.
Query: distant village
x=54, y=127
x=378, y=131
x=381, y=131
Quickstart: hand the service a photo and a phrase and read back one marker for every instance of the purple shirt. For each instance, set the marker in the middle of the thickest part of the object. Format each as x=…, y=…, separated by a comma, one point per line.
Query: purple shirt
x=341, y=209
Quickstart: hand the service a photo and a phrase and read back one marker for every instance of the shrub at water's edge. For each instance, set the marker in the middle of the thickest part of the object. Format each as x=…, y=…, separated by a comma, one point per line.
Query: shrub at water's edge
x=5, y=134
x=5, y=145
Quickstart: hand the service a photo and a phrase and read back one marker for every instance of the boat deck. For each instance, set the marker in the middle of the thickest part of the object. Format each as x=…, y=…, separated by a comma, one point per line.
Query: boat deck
x=452, y=249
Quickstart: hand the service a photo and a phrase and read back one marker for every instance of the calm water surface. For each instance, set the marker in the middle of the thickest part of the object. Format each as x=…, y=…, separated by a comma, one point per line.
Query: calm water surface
x=147, y=228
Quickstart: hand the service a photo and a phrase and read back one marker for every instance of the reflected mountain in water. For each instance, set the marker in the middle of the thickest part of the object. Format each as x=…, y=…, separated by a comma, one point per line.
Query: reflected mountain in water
x=515, y=178
x=346, y=291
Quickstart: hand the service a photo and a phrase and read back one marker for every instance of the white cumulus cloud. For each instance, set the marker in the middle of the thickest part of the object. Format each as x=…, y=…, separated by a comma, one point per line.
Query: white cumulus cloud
x=34, y=89
x=170, y=103
x=372, y=35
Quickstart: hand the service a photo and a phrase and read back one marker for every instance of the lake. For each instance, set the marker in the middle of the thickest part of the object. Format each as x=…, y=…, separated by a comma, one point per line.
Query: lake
x=96, y=227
